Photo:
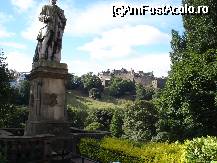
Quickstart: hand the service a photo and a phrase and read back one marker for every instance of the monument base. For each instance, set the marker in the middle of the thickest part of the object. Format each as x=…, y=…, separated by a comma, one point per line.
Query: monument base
x=47, y=104
x=47, y=127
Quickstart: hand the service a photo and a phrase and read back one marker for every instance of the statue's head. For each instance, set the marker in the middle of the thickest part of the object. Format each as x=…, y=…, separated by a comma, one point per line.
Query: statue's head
x=53, y=2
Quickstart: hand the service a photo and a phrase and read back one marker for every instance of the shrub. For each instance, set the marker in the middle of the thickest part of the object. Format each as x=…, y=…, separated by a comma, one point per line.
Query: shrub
x=94, y=126
x=102, y=116
x=77, y=117
x=139, y=121
x=95, y=93
x=201, y=149
x=116, y=123
x=113, y=149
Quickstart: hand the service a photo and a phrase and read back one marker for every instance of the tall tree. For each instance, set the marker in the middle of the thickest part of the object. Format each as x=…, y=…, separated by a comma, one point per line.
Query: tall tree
x=187, y=105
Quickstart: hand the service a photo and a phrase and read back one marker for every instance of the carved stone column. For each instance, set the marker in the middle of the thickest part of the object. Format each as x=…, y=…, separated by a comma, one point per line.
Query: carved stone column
x=47, y=99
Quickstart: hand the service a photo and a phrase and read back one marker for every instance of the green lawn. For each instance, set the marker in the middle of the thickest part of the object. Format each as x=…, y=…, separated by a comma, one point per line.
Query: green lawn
x=76, y=99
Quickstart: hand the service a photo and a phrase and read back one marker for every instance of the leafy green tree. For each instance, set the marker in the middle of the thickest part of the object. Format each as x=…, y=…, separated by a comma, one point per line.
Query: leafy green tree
x=91, y=81
x=74, y=82
x=77, y=117
x=139, y=121
x=116, y=123
x=119, y=87
x=187, y=106
x=24, y=91
x=102, y=116
x=178, y=46
x=201, y=29
x=144, y=93
x=4, y=81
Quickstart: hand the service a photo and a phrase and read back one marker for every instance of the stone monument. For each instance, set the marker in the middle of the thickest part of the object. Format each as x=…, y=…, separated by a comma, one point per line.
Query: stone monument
x=47, y=102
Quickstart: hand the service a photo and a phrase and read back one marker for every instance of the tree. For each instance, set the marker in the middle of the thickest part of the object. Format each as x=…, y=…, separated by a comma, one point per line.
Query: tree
x=74, y=82
x=187, y=106
x=102, y=116
x=116, y=123
x=201, y=29
x=4, y=80
x=91, y=81
x=144, y=93
x=139, y=121
x=119, y=87
x=24, y=91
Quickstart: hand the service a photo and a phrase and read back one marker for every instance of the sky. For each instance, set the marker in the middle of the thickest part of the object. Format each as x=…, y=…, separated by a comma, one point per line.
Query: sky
x=94, y=40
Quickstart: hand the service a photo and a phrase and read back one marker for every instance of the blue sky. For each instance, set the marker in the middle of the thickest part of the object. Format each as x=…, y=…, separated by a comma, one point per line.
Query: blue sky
x=94, y=40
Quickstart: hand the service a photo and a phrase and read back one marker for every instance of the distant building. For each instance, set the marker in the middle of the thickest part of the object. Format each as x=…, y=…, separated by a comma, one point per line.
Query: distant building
x=146, y=79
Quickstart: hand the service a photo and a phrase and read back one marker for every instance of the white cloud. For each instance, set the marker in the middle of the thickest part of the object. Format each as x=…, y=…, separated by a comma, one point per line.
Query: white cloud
x=4, y=33
x=23, y=5
x=120, y=42
x=19, y=61
x=159, y=63
x=13, y=45
x=34, y=25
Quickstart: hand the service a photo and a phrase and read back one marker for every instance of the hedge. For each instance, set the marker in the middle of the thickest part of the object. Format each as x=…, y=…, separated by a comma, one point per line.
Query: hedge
x=113, y=149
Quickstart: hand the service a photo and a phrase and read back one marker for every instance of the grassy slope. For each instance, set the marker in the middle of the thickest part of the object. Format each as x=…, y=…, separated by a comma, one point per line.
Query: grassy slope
x=77, y=100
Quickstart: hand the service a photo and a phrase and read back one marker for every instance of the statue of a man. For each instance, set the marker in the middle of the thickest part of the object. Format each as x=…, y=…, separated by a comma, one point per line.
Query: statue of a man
x=50, y=36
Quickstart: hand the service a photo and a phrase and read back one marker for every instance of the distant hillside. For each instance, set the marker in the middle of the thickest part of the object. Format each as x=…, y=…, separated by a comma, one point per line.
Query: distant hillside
x=76, y=99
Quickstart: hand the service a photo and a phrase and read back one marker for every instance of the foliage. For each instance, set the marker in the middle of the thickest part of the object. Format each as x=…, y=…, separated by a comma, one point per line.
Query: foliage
x=94, y=126
x=95, y=93
x=12, y=117
x=139, y=121
x=74, y=82
x=201, y=29
x=202, y=149
x=143, y=93
x=111, y=150
x=116, y=123
x=119, y=87
x=91, y=81
x=5, y=90
x=187, y=106
x=24, y=90
x=77, y=117
x=178, y=45
x=102, y=116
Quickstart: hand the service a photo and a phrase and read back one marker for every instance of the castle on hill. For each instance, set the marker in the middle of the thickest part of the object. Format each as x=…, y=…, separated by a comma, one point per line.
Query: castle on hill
x=146, y=79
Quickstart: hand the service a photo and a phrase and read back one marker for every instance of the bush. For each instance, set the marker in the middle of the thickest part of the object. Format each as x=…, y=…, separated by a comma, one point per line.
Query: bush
x=94, y=126
x=102, y=116
x=112, y=149
x=119, y=87
x=12, y=117
x=77, y=117
x=95, y=93
x=201, y=149
x=116, y=123
x=139, y=121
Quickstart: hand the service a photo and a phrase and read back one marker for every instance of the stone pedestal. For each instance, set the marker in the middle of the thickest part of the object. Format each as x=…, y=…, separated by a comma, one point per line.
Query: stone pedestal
x=47, y=102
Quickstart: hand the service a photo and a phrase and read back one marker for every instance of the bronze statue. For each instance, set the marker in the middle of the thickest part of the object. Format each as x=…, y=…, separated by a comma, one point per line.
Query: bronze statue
x=50, y=36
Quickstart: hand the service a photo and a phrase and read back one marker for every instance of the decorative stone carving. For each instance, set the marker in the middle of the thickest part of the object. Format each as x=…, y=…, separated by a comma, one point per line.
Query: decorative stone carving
x=50, y=36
